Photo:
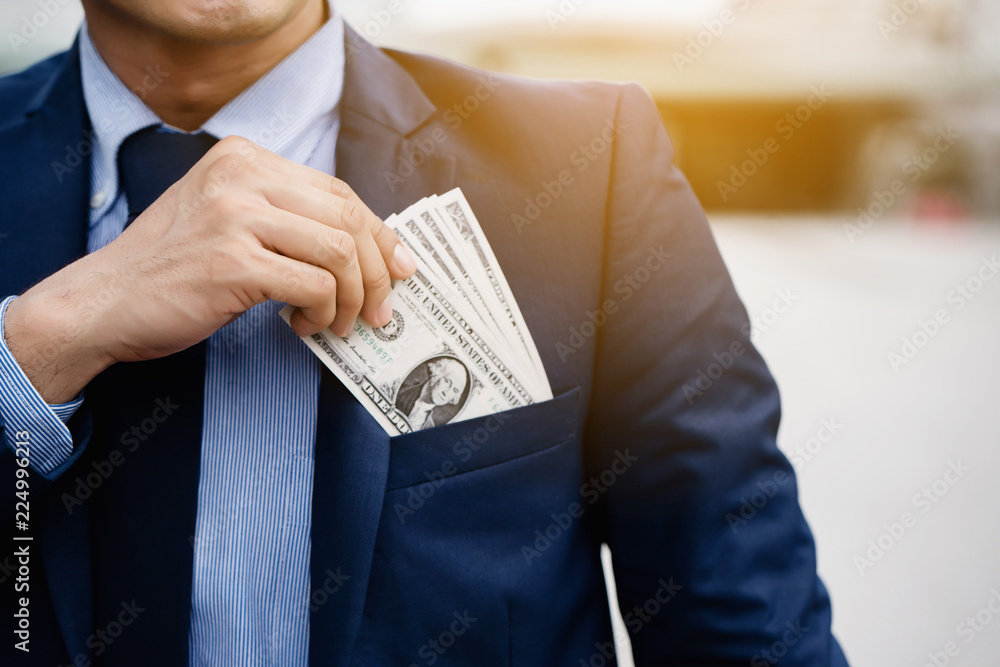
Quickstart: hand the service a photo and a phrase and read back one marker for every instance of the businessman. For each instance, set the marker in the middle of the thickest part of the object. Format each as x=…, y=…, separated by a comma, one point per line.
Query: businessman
x=201, y=492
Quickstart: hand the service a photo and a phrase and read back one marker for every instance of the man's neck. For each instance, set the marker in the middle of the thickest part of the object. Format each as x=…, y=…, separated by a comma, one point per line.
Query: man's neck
x=195, y=80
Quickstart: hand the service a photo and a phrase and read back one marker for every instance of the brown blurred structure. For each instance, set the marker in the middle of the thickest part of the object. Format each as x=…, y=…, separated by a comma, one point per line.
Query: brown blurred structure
x=895, y=72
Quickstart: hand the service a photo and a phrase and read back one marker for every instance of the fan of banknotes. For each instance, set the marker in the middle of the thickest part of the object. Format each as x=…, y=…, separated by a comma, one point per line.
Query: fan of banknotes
x=457, y=346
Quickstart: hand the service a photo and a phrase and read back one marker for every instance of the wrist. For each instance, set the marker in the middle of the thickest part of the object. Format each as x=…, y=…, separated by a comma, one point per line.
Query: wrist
x=53, y=345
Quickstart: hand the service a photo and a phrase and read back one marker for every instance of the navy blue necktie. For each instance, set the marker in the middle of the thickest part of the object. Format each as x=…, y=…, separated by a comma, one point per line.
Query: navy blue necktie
x=152, y=160
x=159, y=486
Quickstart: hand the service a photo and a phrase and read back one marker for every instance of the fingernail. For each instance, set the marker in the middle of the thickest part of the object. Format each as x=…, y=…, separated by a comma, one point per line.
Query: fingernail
x=404, y=262
x=385, y=312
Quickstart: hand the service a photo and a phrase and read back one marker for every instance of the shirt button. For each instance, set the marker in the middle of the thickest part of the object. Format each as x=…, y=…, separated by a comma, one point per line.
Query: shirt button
x=98, y=199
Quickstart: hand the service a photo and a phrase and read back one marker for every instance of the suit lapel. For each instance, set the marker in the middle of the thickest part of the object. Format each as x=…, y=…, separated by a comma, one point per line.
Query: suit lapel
x=392, y=144
x=389, y=151
x=46, y=152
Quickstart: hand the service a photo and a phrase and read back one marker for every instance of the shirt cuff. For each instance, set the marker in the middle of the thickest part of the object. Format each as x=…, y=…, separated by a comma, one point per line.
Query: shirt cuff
x=24, y=411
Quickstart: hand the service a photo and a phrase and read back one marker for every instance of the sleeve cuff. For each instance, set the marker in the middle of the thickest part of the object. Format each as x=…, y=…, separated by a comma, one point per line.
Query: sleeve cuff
x=23, y=411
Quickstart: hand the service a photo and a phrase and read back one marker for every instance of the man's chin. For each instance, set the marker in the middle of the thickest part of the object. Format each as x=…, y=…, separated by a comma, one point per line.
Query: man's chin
x=211, y=22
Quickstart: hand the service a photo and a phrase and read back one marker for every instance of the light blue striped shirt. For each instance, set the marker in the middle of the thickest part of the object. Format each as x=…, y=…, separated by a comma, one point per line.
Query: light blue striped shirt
x=250, y=598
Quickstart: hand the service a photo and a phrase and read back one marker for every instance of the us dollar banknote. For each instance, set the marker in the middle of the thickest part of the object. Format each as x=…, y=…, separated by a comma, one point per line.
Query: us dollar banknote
x=456, y=347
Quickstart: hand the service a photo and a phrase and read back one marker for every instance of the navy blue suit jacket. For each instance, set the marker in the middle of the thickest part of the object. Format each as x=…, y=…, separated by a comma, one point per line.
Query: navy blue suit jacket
x=474, y=543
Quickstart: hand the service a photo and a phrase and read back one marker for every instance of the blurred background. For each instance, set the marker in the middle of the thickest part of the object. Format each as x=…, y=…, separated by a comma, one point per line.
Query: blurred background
x=848, y=155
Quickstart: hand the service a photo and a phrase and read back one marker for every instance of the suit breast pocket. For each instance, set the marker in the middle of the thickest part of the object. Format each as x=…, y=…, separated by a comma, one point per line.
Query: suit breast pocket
x=453, y=449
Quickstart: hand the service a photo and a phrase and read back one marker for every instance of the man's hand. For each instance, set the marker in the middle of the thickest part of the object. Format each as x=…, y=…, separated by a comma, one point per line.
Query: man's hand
x=242, y=227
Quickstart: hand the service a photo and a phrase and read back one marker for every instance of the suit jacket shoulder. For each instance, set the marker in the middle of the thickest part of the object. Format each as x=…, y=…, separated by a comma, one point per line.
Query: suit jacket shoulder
x=490, y=108
x=19, y=91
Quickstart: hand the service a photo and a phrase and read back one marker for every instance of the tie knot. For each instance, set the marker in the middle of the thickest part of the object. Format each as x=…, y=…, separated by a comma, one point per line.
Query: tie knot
x=151, y=160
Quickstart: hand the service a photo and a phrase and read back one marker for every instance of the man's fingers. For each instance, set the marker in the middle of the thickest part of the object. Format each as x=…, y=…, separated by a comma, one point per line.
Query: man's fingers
x=296, y=191
x=395, y=256
x=375, y=274
x=352, y=217
x=334, y=250
x=399, y=260
x=311, y=289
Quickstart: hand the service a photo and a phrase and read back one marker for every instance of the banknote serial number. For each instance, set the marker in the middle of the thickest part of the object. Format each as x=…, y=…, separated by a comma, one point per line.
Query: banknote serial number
x=382, y=354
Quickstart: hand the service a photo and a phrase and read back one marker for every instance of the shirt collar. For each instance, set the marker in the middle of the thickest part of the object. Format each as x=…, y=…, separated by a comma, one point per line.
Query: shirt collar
x=285, y=111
